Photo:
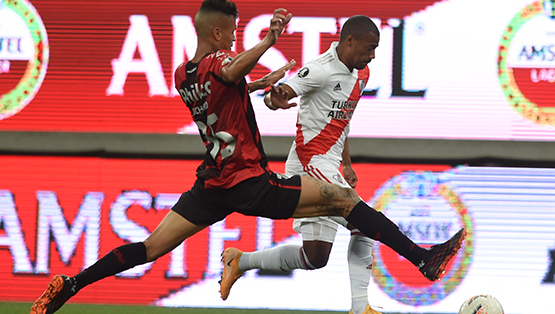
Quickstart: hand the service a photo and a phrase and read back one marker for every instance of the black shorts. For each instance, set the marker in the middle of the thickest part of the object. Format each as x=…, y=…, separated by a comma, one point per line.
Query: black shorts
x=270, y=195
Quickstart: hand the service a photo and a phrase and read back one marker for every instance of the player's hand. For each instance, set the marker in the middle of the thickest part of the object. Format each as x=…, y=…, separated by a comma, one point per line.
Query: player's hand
x=280, y=98
x=275, y=76
x=277, y=24
x=350, y=176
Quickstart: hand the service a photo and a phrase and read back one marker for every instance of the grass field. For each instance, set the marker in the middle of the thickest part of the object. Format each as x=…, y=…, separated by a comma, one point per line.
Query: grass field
x=18, y=308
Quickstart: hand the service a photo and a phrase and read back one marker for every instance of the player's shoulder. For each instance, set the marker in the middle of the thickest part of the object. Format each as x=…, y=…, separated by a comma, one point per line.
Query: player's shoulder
x=326, y=59
x=323, y=66
x=180, y=74
x=216, y=60
x=181, y=67
x=220, y=55
x=313, y=69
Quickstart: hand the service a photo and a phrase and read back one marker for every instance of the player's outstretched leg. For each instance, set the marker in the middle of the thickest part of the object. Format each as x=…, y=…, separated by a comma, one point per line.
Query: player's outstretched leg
x=231, y=272
x=441, y=255
x=377, y=226
x=59, y=290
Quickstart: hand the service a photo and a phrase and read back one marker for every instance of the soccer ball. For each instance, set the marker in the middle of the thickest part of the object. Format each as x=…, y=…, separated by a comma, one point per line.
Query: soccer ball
x=481, y=304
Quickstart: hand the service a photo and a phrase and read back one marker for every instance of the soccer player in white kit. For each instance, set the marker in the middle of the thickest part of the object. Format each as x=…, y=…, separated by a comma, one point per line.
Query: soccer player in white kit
x=330, y=87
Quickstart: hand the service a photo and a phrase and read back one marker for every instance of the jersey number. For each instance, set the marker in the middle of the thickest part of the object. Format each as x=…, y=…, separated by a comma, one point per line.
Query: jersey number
x=217, y=137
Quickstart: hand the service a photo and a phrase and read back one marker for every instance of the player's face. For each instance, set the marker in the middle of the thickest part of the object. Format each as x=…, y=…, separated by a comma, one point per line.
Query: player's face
x=228, y=28
x=363, y=51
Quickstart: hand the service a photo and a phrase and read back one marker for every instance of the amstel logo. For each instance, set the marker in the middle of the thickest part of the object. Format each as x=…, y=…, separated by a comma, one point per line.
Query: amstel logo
x=526, y=62
x=429, y=212
x=23, y=55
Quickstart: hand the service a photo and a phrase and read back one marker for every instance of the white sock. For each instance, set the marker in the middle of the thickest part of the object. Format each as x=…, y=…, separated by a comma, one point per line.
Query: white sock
x=360, y=269
x=283, y=257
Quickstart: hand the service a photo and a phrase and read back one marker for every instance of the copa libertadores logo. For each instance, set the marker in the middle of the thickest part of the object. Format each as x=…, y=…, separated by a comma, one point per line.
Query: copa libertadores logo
x=429, y=212
x=23, y=55
x=526, y=62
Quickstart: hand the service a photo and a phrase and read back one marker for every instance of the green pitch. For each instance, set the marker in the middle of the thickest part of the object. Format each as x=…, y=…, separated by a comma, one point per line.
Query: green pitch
x=19, y=308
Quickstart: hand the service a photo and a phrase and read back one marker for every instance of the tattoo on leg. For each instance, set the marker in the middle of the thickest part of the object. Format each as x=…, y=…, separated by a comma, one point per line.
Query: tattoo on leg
x=331, y=193
x=328, y=192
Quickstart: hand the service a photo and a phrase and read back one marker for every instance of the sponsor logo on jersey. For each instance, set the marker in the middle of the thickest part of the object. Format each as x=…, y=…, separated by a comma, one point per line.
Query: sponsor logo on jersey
x=194, y=92
x=23, y=45
x=226, y=60
x=337, y=87
x=526, y=62
x=342, y=109
x=361, y=86
x=429, y=212
x=303, y=72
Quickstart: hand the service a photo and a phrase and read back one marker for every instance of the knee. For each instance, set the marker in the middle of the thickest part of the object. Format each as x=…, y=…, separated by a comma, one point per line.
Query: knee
x=317, y=255
x=318, y=260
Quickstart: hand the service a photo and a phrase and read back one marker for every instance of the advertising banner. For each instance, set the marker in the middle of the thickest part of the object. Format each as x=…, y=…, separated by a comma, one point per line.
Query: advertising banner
x=451, y=69
x=61, y=214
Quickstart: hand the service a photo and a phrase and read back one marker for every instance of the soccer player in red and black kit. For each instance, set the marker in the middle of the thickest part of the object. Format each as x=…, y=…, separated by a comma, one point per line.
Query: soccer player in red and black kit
x=234, y=176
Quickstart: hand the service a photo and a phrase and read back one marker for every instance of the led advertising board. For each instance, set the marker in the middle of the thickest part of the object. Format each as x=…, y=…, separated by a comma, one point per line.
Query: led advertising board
x=452, y=69
x=61, y=214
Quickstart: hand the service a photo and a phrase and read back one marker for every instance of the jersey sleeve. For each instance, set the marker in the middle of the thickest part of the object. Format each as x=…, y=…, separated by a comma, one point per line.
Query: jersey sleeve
x=311, y=78
x=220, y=59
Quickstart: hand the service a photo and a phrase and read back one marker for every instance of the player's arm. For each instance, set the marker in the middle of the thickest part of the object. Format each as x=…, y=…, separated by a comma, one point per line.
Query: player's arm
x=308, y=81
x=244, y=62
x=278, y=97
x=271, y=78
x=348, y=171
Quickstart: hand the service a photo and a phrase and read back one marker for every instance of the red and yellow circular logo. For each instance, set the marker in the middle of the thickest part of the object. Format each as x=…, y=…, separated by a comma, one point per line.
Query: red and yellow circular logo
x=429, y=212
x=526, y=62
x=23, y=55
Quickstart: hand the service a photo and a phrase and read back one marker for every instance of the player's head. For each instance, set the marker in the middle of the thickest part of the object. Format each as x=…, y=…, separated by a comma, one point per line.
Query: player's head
x=358, y=40
x=215, y=23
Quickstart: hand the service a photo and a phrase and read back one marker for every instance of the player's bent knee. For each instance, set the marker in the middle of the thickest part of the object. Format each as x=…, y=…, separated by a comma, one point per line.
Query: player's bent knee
x=317, y=259
x=317, y=252
x=319, y=262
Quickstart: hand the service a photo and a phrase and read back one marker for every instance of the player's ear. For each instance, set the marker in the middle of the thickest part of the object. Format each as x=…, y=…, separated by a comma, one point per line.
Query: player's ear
x=217, y=33
x=350, y=40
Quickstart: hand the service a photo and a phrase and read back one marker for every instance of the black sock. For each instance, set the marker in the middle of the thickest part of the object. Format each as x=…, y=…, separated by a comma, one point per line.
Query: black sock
x=119, y=259
x=378, y=227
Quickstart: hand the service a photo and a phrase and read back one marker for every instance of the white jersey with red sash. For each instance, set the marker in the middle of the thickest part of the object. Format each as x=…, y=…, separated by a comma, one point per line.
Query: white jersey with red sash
x=329, y=95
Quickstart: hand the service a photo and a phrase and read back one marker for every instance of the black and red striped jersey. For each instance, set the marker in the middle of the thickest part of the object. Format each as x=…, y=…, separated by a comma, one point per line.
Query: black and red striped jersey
x=225, y=118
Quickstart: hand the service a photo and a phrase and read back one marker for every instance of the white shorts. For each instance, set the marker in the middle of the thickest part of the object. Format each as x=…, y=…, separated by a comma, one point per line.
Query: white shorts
x=318, y=228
